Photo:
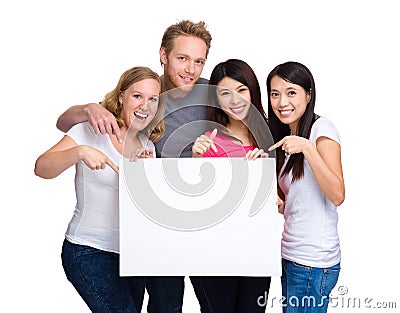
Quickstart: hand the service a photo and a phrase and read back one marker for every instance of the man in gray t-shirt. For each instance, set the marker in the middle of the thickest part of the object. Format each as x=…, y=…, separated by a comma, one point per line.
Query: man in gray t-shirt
x=185, y=119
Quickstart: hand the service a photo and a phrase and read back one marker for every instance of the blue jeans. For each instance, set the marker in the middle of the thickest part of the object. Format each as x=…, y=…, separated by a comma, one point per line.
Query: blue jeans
x=95, y=275
x=306, y=289
x=165, y=294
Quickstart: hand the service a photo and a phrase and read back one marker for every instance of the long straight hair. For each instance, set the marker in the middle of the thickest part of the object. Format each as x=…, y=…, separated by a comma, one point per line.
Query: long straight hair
x=256, y=120
x=299, y=74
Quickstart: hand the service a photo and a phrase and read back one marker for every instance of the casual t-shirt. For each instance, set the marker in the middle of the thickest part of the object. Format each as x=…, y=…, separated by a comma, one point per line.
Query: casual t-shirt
x=95, y=222
x=185, y=119
x=310, y=234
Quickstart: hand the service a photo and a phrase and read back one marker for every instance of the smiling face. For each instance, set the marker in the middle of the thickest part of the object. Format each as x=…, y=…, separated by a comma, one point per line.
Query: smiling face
x=140, y=103
x=184, y=63
x=234, y=98
x=288, y=101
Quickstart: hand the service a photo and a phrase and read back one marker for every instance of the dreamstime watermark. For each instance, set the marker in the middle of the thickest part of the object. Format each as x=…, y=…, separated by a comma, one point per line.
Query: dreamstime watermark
x=344, y=300
x=176, y=216
x=340, y=299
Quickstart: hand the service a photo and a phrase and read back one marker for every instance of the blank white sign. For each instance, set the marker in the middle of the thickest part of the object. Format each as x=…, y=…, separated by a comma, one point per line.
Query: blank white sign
x=199, y=217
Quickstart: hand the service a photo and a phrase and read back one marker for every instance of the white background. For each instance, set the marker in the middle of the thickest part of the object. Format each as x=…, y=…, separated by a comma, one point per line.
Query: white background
x=56, y=54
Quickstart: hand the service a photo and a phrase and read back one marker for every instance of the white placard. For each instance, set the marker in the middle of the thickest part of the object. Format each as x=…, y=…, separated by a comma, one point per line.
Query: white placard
x=199, y=217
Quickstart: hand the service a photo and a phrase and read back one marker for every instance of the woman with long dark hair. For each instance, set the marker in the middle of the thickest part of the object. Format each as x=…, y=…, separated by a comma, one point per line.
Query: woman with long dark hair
x=311, y=185
x=240, y=131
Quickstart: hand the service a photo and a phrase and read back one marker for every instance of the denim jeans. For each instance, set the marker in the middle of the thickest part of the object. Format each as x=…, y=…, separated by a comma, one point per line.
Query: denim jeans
x=165, y=294
x=95, y=275
x=306, y=289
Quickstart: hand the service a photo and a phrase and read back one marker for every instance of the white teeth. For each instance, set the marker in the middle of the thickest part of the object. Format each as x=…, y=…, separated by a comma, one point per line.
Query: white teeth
x=141, y=115
x=237, y=109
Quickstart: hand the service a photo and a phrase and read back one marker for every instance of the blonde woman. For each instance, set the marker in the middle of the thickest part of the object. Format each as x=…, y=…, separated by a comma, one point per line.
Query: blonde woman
x=90, y=253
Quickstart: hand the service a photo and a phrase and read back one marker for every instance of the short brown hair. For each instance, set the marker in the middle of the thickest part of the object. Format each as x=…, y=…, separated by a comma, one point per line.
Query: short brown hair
x=185, y=28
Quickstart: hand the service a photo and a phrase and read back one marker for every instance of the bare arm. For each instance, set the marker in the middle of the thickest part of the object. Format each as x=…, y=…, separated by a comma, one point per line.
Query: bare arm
x=74, y=115
x=66, y=153
x=324, y=160
x=102, y=121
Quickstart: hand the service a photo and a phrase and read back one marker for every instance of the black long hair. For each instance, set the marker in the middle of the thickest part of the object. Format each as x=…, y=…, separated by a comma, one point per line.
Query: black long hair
x=299, y=74
x=256, y=120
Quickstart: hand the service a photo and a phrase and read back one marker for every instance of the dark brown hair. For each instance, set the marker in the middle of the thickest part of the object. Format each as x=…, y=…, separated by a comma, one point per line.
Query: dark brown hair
x=256, y=120
x=299, y=74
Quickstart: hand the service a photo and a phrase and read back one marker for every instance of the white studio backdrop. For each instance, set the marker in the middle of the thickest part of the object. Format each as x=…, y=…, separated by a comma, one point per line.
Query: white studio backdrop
x=55, y=54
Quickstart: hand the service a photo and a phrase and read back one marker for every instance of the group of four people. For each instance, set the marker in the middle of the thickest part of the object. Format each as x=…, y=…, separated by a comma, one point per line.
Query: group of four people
x=136, y=120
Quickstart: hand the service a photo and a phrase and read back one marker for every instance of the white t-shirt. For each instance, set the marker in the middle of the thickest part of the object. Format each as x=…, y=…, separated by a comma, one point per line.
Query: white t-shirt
x=310, y=234
x=95, y=222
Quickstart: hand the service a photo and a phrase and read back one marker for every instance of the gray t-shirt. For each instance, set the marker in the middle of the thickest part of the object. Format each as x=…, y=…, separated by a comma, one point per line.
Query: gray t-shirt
x=185, y=119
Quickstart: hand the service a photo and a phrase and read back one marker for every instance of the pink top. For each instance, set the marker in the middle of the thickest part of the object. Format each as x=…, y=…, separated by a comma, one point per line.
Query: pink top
x=226, y=148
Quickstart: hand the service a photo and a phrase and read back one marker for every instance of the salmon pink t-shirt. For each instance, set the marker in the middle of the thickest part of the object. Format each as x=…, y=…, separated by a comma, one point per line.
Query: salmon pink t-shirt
x=226, y=148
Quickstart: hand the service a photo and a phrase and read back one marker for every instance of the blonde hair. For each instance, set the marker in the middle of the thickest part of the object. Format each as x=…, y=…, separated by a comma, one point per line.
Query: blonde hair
x=185, y=28
x=155, y=129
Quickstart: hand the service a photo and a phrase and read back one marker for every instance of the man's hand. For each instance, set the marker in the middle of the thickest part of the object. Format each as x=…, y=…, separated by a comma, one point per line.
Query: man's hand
x=102, y=120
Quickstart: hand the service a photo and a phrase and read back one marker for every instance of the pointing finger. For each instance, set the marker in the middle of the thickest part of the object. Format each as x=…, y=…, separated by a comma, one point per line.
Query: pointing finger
x=278, y=144
x=116, y=131
x=112, y=165
x=213, y=134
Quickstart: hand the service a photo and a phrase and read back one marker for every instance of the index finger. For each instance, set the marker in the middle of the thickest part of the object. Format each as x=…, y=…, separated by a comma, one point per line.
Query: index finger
x=116, y=131
x=278, y=144
x=213, y=134
x=112, y=165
